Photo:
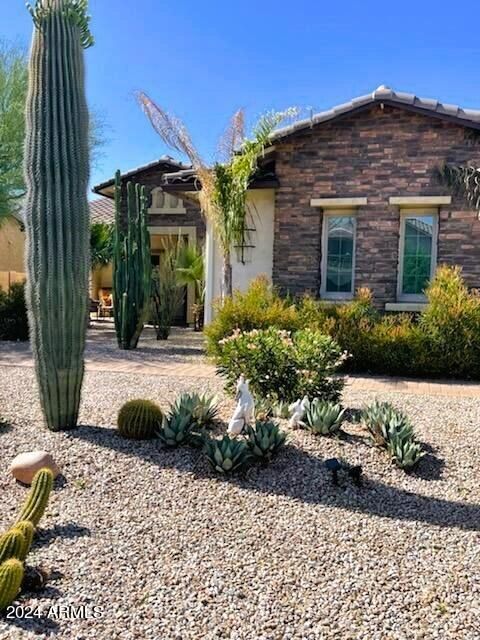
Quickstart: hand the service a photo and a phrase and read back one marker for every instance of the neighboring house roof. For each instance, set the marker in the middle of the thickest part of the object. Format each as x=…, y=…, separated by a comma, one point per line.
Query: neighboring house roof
x=165, y=163
x=102, y=210
x=386, y=95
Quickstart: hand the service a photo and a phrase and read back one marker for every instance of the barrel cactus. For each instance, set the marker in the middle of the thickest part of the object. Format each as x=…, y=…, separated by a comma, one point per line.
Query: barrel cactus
x=37, y=498
x=227, y=455
x=56, y=207
x=11, y=576
x=139, y=420
x=132, y=264
x=265, y=439
x=323, y=417
x=12, y=545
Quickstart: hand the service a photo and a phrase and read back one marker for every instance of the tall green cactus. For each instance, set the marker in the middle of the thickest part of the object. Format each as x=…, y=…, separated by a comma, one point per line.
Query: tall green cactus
x=11, y=576
x=12, y=545
x=132, y=264
x=56, y=207
x=37, y=498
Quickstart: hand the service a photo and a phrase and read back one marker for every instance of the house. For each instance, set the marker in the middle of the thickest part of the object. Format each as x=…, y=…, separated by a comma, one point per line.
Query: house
x=351, y=198
x=169, y=217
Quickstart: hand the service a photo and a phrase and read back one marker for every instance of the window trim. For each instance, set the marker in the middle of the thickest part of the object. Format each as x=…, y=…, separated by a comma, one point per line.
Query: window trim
x=336, y=213
x=167, y=209
x=406, y=212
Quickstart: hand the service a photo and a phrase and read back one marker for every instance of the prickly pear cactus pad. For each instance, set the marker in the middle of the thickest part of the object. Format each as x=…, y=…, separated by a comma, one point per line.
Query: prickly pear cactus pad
x=56, y=207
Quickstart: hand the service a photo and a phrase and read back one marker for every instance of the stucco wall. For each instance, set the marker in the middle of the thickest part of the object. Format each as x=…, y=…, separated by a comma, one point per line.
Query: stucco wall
x=261, y=206
x=12, y=246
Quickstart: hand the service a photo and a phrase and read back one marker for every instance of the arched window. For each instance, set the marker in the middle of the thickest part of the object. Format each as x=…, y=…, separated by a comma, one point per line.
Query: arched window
x=165, y=203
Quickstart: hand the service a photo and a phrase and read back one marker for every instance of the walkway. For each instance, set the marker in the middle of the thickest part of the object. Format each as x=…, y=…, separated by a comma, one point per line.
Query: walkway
x=182, y=356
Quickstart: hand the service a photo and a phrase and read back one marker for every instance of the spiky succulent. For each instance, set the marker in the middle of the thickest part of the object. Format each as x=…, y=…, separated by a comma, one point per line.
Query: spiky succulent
x=226, y=455
x=265, y=439
x=405, y=451
x=176, y=430
x=323, y=417
x=376, y=418
x=200, y=407
x=281, y=410
x=263, y=408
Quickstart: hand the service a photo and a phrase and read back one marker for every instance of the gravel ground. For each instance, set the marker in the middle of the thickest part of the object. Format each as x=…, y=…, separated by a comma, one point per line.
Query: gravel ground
x=172, y=552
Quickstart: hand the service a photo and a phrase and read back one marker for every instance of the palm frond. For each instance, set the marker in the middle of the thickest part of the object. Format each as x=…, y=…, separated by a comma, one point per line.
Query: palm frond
x=233, y=137
x=464, y=181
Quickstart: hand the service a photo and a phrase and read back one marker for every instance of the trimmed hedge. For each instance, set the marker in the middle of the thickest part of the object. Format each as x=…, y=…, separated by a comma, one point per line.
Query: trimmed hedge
x=442, y=341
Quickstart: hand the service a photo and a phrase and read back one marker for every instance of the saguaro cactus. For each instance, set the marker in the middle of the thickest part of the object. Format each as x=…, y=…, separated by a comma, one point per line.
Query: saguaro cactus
x=56, y=208
x=132, y=265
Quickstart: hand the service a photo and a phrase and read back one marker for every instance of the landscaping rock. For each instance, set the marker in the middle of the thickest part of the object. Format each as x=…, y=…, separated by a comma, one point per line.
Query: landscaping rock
x=25, y=465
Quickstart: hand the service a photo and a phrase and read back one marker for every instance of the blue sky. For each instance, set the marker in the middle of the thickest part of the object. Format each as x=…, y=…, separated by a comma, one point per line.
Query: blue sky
x=202, y=61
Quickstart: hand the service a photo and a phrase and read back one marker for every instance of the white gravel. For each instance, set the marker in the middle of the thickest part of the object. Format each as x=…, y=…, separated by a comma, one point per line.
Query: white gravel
x=172, y=552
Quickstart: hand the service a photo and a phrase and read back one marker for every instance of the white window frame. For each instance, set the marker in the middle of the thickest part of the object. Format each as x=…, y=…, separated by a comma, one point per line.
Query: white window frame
x=168, y=208
x=336, y=213
x=406, y=212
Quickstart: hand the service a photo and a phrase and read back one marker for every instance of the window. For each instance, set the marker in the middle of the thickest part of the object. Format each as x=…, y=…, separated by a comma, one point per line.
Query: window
x=245, y=249
x=417, y=253
x=338, y=254
x=163, y=202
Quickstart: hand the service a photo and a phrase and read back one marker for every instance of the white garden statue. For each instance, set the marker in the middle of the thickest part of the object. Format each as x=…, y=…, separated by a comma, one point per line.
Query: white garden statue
x=297, y=412
x=244, y=410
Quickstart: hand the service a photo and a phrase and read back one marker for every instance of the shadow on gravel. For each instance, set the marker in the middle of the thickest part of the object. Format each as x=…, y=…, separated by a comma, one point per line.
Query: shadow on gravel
x=42, y=626
x=5, y=427
x=302, y=477
x=66, y=531
x=430, y=466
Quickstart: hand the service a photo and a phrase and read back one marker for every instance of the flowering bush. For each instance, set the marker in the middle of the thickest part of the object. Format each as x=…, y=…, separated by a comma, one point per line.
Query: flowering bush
x=281, y=366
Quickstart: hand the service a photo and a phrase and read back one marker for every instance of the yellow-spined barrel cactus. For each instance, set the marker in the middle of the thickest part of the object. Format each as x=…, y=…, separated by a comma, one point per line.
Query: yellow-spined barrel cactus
x=56, y=208
x=139, y=420
x=11, y=576
x=12, y=545
x=28, y=530
x=37, y=498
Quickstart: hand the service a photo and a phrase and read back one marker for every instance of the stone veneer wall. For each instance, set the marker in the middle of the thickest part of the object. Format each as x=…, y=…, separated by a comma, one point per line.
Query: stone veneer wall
x=375, y=154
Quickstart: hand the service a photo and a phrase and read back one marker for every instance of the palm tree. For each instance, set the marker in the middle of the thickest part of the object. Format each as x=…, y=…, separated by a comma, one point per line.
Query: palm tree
x=223, y=194
x=101, y=244
x=463, y=181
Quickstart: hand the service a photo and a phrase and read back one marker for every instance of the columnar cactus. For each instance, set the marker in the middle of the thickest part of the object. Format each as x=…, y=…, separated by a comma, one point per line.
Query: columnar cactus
x=56, y=206
x=12, y=545
x=37, y=498
x=132, y=265
x=11, y=576
x=28, y=530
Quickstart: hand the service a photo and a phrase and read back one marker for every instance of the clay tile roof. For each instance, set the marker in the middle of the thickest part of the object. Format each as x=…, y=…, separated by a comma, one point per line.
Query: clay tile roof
x=102, y=210
x=384, y=94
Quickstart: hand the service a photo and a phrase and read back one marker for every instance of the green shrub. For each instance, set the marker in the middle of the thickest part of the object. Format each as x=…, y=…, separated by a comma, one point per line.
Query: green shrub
x=260, y=307
x=451, y=322
x=13, y=313
x=440, y=341
x=139, y=420
x=280, y=366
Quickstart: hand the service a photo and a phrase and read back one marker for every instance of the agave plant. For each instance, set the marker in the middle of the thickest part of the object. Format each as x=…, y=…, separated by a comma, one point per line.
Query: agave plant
x=176, y=430
x=281, y=409
x=376, y=418
x=265, y=439
x=263, y=408
x=323, y=417
x=226, y=455
x=405, y=451
x=202, y=409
